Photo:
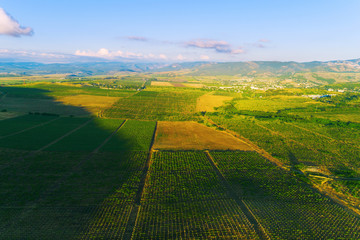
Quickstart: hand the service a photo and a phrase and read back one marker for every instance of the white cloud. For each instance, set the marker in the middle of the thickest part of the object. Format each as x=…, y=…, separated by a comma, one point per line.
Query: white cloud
x=107, y=54
x=218, y=46
x=180, y=57
x=237, y=51
x=9, y=26
x=204, y=57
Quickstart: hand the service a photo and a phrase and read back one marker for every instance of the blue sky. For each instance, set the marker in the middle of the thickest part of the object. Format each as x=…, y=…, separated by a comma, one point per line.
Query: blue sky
x=172, y=30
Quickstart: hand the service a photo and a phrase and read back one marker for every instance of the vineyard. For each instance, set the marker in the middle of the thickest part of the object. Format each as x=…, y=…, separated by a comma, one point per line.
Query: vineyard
x=138, y=170
x=157, y=104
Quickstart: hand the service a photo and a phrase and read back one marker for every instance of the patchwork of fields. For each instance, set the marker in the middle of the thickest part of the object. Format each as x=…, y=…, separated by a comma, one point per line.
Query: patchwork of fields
x=91, y=178
x=135, y=159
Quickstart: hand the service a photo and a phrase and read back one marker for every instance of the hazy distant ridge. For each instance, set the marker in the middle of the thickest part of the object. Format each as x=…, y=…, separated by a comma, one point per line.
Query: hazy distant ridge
x=195, y=68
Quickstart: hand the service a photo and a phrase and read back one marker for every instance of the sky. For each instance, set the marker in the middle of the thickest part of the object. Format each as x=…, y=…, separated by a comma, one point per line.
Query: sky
x=179, y=30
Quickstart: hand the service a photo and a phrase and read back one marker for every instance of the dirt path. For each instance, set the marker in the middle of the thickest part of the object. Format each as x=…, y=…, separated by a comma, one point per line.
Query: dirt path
x=27, y=129
x=64, y=136
x=259, y=229
x=322, y=135
x=57, y=184
x=327, y=191
x=256, y=148
x=133, y=219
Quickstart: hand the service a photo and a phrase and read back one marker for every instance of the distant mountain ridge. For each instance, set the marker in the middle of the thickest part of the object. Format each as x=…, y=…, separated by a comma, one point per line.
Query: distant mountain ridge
x=193, y=68
x=274, y=67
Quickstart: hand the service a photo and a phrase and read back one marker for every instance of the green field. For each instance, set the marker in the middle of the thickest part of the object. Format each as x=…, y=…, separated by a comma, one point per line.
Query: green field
x=157, y=104
x=66, y=173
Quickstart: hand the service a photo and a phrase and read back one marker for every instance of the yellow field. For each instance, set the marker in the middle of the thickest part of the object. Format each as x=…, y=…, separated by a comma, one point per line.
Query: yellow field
x=194, y=136
x=208, y=102
x=161, y=84
x=194, y=85
x=273, y=104
x=91, y=103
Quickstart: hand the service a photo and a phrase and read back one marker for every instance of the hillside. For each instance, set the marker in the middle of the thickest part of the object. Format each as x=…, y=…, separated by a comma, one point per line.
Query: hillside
x=195, y=68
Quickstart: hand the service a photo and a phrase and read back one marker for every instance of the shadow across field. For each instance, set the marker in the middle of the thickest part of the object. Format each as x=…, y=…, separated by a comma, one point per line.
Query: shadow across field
x=25, y=100
x=58, y=173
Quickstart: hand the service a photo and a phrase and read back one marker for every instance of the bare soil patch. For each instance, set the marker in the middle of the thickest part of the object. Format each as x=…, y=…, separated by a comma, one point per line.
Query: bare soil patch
x=195, y=136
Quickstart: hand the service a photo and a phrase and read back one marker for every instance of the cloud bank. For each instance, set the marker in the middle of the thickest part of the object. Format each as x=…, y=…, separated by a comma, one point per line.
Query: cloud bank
x=218, y=46
x=9, y=26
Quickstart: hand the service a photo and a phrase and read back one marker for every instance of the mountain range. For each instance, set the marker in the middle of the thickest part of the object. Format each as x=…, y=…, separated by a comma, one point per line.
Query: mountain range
x=193, y=68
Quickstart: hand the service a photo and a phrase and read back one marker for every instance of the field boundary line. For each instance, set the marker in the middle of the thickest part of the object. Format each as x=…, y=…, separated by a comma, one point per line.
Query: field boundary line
x=75, y=168
x=259, y=229
x=3, y=96
x=28, y=129
x=33, y=204
x=64, y=136
x=256, y=148
x=96, y=150
x=334, y=197
x=322, y=135
x=134, y=215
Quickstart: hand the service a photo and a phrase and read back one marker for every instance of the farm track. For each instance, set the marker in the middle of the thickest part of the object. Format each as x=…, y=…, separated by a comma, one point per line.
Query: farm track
x=27, y=129
x=108, y=139
x=256, y=148
x=322, y=135
x=133, y=219
x=259, y=229
x=353, y=209
x=33, y=153
x=329, y=156
x=288, y=139
x=64, y=136
x=32, y=205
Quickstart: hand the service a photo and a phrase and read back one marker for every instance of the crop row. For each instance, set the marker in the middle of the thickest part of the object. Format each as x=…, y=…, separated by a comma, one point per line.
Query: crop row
x=133, y=135
x=212, y=219
x=184, y=198
x=156, y=105
x=284, y=205
x=54, y=197
x=88, y=137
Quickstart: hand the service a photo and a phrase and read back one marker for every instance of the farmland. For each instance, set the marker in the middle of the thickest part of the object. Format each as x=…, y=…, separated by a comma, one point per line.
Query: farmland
x=180, y=159
x=194, y=136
